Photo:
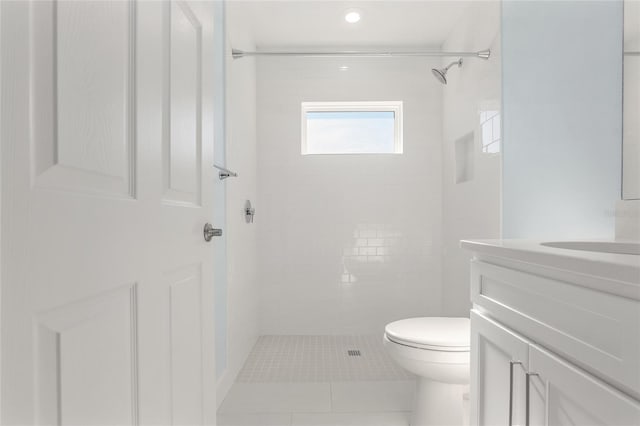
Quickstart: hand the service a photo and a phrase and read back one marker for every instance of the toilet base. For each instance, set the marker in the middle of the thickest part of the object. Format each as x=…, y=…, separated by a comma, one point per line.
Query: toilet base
x=440, y=404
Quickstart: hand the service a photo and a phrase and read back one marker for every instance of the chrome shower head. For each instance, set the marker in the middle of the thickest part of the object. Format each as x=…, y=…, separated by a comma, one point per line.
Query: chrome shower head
x=441, y=73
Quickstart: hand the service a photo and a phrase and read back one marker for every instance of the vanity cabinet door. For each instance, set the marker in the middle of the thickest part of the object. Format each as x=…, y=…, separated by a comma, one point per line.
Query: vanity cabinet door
x=562, y=394
x=499, y=360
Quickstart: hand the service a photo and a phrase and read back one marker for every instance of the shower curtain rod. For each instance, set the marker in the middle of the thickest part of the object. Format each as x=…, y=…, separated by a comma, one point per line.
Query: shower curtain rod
x=236, y=53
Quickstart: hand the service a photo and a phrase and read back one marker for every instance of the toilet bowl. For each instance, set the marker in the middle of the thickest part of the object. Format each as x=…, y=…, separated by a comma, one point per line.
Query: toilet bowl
x=436, y=350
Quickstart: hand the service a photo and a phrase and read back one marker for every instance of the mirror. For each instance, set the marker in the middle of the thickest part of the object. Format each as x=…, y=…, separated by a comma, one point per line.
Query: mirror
x=631, y=102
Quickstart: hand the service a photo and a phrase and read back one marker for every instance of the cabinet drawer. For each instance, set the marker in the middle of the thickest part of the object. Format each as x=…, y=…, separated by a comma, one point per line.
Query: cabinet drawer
x=596, y=330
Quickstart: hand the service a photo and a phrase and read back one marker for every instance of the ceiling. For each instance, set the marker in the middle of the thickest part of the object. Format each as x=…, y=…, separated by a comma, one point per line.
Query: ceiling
x=300, y=23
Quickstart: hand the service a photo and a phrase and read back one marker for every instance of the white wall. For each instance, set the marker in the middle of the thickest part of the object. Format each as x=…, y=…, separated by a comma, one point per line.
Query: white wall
x=314, y=211
x=628, y=220
x=631, y=98
x=242, y=290
x=471, y=209
x=562, y=108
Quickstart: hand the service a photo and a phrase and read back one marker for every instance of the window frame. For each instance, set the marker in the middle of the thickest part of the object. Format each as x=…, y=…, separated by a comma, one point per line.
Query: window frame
x=360, y=106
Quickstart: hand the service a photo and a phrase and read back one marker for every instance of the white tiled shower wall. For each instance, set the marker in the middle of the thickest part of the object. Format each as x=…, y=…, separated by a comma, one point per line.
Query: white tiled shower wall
x=347, y=243
x=242, y=282
x=471, y=209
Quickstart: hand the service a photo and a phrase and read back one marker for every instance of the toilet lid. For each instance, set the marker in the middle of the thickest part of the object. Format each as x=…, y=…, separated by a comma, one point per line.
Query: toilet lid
x=433, y=333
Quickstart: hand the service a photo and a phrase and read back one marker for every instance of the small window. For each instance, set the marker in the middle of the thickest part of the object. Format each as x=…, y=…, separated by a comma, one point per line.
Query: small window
x=351, y=128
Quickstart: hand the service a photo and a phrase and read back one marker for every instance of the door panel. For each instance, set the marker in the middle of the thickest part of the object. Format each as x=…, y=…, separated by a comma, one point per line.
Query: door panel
x=183, y=145
x=107, y=147
x=86, y=354
x=186, y=360
x=83, y=96
x=493, y=347
x=562, y=394
x=94, y=70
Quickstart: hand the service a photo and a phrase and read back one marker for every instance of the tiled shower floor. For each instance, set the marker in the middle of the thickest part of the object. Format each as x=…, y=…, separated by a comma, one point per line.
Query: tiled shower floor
x=312, y=380
x=319, y=359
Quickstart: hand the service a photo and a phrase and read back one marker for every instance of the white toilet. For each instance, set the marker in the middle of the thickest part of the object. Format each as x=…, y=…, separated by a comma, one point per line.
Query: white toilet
x=436, y=349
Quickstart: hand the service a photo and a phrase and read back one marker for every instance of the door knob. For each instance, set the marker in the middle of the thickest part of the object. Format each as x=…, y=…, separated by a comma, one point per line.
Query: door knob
x=210, y=232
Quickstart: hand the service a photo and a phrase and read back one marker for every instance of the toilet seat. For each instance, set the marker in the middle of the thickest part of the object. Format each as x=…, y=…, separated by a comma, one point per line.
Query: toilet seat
x=431, y=333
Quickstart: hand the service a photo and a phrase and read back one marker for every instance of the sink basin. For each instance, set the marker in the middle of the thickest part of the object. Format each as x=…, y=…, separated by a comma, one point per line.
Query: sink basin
x=617, y=247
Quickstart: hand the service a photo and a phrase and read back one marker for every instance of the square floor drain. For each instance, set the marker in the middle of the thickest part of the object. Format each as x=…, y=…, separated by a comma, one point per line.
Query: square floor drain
x=353, y=352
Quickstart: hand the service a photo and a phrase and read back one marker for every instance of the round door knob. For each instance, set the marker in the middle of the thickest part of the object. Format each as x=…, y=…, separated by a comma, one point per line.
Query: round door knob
x=210, y=232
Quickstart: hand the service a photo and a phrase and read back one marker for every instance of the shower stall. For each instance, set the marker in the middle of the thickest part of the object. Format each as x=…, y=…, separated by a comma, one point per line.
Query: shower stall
x=343, y=244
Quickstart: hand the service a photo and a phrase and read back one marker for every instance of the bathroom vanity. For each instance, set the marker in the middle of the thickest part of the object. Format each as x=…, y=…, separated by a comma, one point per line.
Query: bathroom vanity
x=555, y=333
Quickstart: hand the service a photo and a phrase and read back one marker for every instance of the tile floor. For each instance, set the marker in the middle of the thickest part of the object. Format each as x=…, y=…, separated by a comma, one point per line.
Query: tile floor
x=312, y=381
x=319, y=359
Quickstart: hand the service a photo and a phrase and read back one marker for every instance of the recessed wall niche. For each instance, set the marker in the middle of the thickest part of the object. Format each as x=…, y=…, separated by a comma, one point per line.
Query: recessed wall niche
x=464, y=158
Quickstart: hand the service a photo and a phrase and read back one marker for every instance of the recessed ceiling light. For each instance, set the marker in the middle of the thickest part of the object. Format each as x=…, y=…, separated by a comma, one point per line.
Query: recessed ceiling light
x=344, y=68
x=352, y=16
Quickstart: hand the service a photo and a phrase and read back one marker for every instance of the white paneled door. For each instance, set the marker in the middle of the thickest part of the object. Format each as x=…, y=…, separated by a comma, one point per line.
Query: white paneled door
x=107, y=146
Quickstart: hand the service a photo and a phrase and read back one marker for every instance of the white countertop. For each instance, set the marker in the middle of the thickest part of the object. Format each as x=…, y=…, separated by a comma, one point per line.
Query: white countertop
x=620, y=267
